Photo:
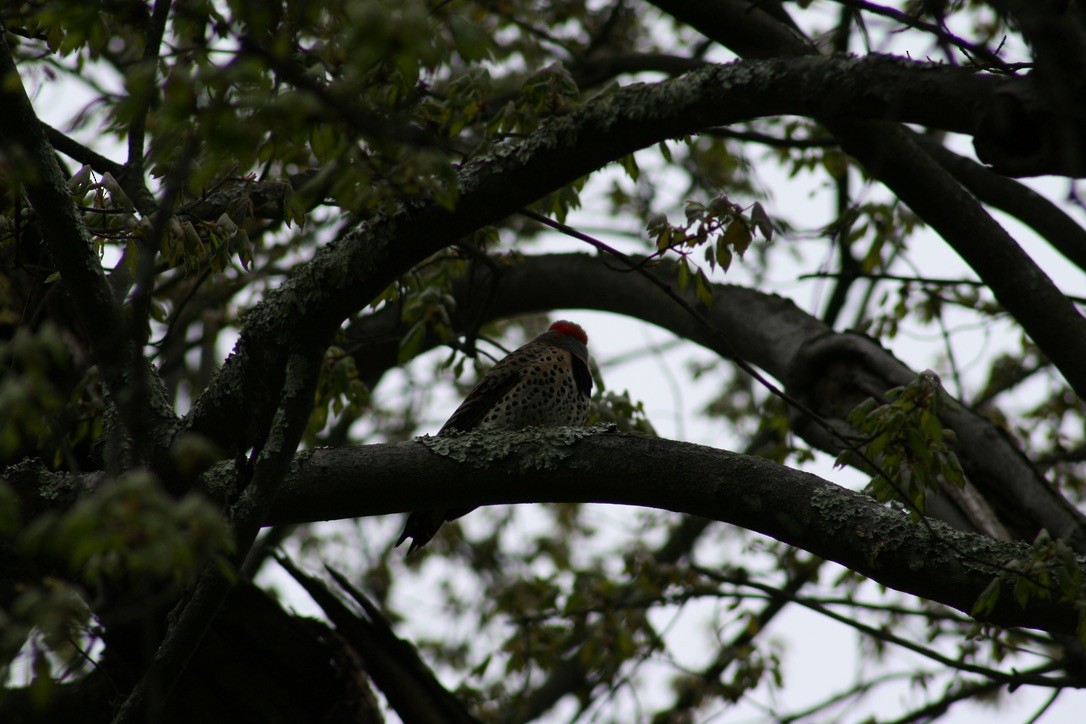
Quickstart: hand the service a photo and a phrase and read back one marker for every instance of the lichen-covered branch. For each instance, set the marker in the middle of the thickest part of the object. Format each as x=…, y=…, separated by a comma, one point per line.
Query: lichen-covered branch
x=930, y=560
x=347, y=275
x=831, y=373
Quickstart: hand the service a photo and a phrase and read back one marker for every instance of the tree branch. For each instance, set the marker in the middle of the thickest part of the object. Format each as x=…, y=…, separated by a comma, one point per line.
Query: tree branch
x=1020, y=201
x=347, y=275
x=73, y=149
x=1056, y=33
x=939, y=31
x=933, y=561
x=146, y=72
x=830, y=372
x=797, y=508
x=887, y=153
x=80, y=269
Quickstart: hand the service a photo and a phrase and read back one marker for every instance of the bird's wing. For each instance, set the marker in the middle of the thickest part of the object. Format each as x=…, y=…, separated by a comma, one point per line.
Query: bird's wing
x=581, y=375
x=494, y=385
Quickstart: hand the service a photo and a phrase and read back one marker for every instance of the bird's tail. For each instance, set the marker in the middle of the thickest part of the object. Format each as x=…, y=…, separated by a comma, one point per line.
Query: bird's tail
x=422, y=525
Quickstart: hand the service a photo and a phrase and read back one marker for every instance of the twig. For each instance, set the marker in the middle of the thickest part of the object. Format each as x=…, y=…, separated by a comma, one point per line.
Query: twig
x=152, y=44
x=1014, y=679
x=970, y=49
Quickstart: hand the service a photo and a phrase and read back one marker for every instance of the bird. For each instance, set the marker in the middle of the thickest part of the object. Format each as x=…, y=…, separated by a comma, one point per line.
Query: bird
x=544, y=383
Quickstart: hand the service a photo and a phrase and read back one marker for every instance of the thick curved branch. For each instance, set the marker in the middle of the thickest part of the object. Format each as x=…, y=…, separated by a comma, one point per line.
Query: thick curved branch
x=1020, y=201
x=932, y=561
x=831, y=373
x=347, y=275
x=888, y=153
x=1056, y=33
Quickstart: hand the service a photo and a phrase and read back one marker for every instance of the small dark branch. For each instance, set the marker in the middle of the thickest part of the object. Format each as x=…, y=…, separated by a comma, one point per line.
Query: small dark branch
x=933, y=281
x=991, y=60
x=880, y=634
x=137, y=131
x=690, y=699
x=277, y=453
x=602, y=68
x=1031, y=208
x=73, y=149
x=850, y=268
x=139, y=324
x=991, y=391
x=960, y=692
x=264, y=548
x=773, y=141
x=503, y=11
x=927, y=281
x=369, y=124
x=853, y=693
x=607, y=29
x=1044, y=707
x=1076, y=454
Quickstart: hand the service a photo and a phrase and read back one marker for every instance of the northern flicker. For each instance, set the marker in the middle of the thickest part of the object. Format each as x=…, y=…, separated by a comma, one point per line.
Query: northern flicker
x=545, y=383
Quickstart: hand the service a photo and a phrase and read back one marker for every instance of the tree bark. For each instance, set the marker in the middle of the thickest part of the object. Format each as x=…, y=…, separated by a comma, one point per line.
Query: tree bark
x=927, y=559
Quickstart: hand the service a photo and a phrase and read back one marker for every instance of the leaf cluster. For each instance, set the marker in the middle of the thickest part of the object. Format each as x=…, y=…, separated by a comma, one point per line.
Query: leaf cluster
x=906, y=442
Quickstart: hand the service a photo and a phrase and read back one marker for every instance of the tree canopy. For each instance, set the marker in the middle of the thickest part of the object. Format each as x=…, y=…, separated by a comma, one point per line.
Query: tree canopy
x=252, y=252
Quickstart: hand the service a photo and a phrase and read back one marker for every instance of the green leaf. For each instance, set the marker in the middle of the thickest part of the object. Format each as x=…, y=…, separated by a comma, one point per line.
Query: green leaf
x=472, y=43
x=760, y=220
x=703, y=290
x=411, y=344
x=723, y=255
x=629, y=165
x=737, y=236
x=43, y=685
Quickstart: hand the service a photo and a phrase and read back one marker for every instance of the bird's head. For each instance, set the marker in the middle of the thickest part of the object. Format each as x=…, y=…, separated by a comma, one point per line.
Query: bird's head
x=570, y=329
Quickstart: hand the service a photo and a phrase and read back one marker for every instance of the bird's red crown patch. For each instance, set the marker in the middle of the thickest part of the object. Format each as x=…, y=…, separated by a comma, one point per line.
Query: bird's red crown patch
x=569, y=328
